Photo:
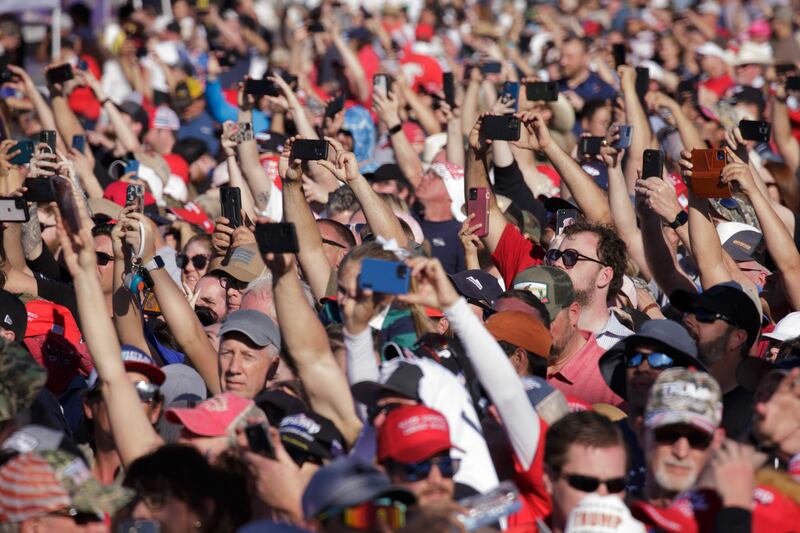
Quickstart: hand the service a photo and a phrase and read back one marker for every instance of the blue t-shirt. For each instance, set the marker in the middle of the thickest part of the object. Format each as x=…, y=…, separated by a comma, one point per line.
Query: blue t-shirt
x=201, y=127
x=445, y=244
x=592, y=88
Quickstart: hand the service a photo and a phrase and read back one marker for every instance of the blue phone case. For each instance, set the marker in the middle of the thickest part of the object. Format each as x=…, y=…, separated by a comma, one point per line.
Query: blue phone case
x=625, y=137
x=511, y=88
x=132, y=166
x=386, y=277
x=25, y=153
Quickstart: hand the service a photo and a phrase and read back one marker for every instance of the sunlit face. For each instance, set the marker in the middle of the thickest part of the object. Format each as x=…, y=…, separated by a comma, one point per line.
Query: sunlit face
x=212, y=295
x=244, y=367
x=584, y=273
x=102, y=244
x=431, y=187
x=562, y=332
x=600, y=122
x=672, y=461
x=573, y=59
x=190, y=274
x=429, y=491
x=172, y=514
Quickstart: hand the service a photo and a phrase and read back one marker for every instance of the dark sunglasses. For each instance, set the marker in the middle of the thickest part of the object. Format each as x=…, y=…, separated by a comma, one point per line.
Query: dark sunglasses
x=231, y=283
x=79, y=517
x=670, y=435
x=707, y=317
x=570, y=257
x=199, y=261
x=421, y=470
x=656, y=360
x=301, y=457
x=375, y=410
x=103, y=258
x=590, y=484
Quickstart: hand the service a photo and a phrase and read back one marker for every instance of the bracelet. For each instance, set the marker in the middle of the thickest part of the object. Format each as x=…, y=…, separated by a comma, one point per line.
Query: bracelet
x=648, y=307
x=395, y=129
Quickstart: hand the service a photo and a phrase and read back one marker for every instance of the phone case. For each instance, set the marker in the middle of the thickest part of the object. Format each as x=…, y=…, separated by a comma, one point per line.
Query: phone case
x=258, y=440
x=501, y=128
x=491, y=67
x=653, y=164
x=134, y=195
x=478, y=203
x=625, y=137
x=49, y=137
x=261, y=88
x=449, y=89
x=230, y=199
x=755, y=130
x=39, y=190
x=707, y=168
x=619, y=54
x=25, y=153
x=13, y=210
x=386, y=277
x=642, y=82
x=590, y=145
x=309, y=150
x=511, y=88
x=542, y=90
x=277, y=238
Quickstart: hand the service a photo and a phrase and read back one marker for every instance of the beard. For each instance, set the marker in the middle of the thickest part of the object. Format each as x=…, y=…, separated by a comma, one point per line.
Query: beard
x=713, y=351
x=671, y=483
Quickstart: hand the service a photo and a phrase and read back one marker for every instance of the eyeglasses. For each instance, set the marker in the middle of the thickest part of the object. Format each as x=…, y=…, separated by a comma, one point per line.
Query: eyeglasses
x=364, y=516
x=421, y=470
x=590, y=484
x=231, y=283
x=672, y=434
x=199, y=261
x=570, y=257
x=375, y=410
x=103, y=258
x=707, y=317
x=147, y=391
x=656, y=360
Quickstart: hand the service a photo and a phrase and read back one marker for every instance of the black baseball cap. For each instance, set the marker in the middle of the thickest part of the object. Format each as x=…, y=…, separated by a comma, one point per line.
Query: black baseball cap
x=312, y=434
x=477, y=286
x=137, y=113
x=404, y=381
x=13, y=315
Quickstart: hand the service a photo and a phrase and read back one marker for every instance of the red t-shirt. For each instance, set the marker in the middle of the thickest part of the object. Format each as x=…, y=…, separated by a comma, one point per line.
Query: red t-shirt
x=515, y=253
x=82, y=100
x=581, y=377
x=536, y=503
x=719, y=85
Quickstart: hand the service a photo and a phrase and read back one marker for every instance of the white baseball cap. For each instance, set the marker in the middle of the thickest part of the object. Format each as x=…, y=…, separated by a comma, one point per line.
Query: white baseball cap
x=787, y=328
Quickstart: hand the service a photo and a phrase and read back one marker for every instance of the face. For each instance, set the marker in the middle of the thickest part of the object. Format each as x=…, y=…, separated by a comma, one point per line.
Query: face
x=562, y=331
x=573, y=59
x=243, y=367
x=601, y=463
x=431, y=187
x=713, y=66
x=233, y=292
x=65, y=524
x=775, y=397
x=199, y=169
x=585, y=274
x=640, y=378
x=159, y=139
x=429, y=491
x=600, y=122
x=212, y=334
x=102, y=244
x=334, y=253
x=754, y=272
x=747, y=74
x=212, y=295
x=675, y=455
x=711, y=338
x=173, y=514
x=190, y=274
x=95, y=408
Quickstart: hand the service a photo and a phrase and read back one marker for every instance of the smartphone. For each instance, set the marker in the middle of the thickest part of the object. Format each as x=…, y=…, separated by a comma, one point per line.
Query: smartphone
x=385, y=277
x=625, y=137
x=686, y=86
x=277, y=238
x=25, y=154
x=449, y=87
x=309, y=150
x=134, y=195
x=478, y=204
x=39, y=190
x=290, y=79
x=511, y=90
x=642, y=82
x=258, y=440
x=139, y=526
x=65, y=200
x=564, y=218
x=542, y=90
x=501, y=127
x=261, y=88
x=755, y=130
x=793, y=83
x=230, y=200
x=334, y=106
x=60, y=74
x=49, y=137
x=316, y=27
x=483, y=510
x=491, y=67
x=620, y=53
x=590, y=145
x=653, y=164
x=79, y=142
x=707, y=165
x=13, y=210
x=380, y=84
x=132, y=166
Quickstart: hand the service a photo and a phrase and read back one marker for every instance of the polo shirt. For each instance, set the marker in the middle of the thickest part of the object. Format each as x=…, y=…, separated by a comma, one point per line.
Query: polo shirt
x=613, y=332
x=515, y=253
x=580, y=376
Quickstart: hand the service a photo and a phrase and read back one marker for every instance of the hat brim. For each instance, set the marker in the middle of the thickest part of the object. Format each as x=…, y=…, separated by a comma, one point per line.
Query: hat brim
x=369, y=392
x=153, y=373
x=196, y=421
x=674, y=417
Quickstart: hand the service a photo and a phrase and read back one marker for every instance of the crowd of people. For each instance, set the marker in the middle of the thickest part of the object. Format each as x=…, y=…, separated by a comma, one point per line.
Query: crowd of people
x=495, y=294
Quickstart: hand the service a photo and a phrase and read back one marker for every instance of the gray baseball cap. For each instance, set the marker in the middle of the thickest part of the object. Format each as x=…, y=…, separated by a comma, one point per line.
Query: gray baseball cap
x=254, y=325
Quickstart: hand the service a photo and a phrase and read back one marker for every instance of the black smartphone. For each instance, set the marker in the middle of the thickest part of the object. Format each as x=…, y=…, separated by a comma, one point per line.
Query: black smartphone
x=65, y=200
x=625, y=137
x=793, y=83
x=653, y=164
x=309, y=150
x=542, y=90
x=290, y=79
x=619, y=52
x=258, y=440
x=334, y=106
x=39, y=190
x=449, y=87
x=642, y=82
x=491, y=67
x=26, y=149
x=590, y=145
x=13, y=209
x=755, y=130
x=79, y=142
x=277, y=238
x=316, y=27
x=60, y=74
x=49, y=137
x=261, y=88
x=564, y=218
x=501, y=128
x=230, y=201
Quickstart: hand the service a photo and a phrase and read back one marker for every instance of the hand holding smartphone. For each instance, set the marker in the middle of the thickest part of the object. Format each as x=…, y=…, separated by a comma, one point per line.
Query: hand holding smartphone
x=230, y=200
x=258, y=440
x=653, y=164
x=478, y=205
x=309, y=150
x=385, y=277
x=501, y=127
x=277, y=238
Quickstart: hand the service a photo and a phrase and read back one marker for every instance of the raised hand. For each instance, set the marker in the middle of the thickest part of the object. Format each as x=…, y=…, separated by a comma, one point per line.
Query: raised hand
x=477, y=141
x=659, y=196
x=433, y=287
x=387, y=108
x=228, y=138
x=738, y=173
x=537, y=136
x=222, y=237
x=290, y=171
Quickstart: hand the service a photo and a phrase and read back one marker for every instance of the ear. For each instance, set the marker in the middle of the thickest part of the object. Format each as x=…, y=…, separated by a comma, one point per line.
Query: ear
x=87, y=409
x=737, y=338
x=519, y=361
x=574, y=314
x=548, y=479
x=605, y=276
x=442, y=326
x=272, y=371
x=156, y=412
x=719, y=438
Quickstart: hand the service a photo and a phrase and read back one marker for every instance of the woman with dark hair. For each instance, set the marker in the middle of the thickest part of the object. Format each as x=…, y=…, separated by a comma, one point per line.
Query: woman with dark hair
x=178, y=488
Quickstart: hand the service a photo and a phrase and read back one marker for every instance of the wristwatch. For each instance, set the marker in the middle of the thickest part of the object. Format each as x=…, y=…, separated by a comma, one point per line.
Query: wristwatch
x=154, y=264
x=680, y=219
x=395, y=129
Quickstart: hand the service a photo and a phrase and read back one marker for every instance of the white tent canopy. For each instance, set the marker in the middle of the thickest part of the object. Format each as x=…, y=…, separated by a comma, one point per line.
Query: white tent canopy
x=12, y=6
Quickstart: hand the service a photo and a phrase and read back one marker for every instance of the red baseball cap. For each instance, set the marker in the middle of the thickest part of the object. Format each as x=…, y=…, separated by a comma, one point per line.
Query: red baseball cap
x=193, y=214
x=217, y=416
x=117, y=190
x=413, y=433
x=60, y=357
x=178, y=166
x=45, y=316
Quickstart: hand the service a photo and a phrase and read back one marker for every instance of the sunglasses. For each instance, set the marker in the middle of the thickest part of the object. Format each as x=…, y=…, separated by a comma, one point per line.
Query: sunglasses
x=707, y=317
x=199, y=261
x=79, y=517
x=421, y=470
x=364, y=517
x=590, y=484
x=301, y=457
x=656, y=360
x=147, y=391
x=230, y=283
x=670, y=435
x=570, y=257
x=375, y=410
x=103, y=258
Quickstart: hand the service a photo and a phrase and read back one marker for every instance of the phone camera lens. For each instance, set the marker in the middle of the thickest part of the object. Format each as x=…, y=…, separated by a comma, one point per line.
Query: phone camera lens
x=720, y=155
x=402, y=271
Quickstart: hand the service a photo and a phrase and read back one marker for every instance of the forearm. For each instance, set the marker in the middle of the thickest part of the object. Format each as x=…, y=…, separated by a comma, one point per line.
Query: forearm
x=278, y=123
x=690, y=136
x=316, y=269
x=254, y=174
x=362, y=364
x=380, y=217
x=455, y=142
x=661, y=261
x=407, y=159
x=424, y=114
x=12, y=247
x=704, y=237
x=127, y=318
x=188, y=331
x=782, y=135
x=469, y=109
x=623, y=217
x=353, y=70
x=501, y=154
x=32, y=245
x=66, y=120
x=125, y=134
x=476, y=175
x=590, y=198
x=300, y=119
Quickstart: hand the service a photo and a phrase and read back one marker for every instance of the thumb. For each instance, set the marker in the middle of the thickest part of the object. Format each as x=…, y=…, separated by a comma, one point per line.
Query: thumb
x=732, y=155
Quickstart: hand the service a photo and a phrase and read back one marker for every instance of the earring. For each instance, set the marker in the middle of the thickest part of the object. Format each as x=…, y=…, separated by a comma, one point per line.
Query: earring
x=198, y=524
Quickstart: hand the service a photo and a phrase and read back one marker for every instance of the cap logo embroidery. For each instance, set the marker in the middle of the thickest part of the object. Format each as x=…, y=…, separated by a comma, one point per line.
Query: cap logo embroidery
x=475, y=282
x=302, y=422
x=536, y=288
x=594, y=518
x=216, y=404
x=76, y=471
x=742, y=245
x=693, y=391
x=8, y=320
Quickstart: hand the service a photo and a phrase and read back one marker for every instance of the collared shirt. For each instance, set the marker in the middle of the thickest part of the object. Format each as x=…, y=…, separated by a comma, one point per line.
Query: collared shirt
x=580, y=376
x=613, y=332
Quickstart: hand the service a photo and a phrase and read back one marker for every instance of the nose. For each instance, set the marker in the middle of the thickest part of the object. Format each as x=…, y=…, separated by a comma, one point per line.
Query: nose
x=235, y=367
x=602, y=490
x=436, y=474
x=680, y=448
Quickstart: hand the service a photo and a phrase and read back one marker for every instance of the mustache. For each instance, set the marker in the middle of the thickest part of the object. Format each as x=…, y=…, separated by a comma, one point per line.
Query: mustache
x=679, y=464
x=433, y=489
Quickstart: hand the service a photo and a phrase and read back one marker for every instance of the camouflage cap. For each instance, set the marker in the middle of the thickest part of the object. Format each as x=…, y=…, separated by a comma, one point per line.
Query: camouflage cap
x=39, y=483
x=23, y=379
x=550, y=284
x=684, y=396
x=736, y=209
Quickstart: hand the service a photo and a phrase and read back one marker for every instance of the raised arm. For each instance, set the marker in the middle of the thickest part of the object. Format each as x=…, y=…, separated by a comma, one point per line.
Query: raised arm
x=353, y=69
x=228, y=142
x=388, y=109
x=636, y=116
x=124, y=133
x=26, y=85
x=690, y=136
x=787, y=145
x=306, y=344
